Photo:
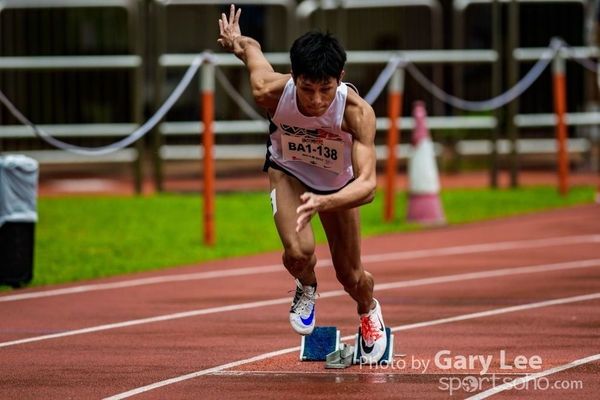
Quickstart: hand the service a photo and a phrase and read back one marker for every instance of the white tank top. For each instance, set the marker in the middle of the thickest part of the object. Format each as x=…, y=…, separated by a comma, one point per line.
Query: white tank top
x=313, y=149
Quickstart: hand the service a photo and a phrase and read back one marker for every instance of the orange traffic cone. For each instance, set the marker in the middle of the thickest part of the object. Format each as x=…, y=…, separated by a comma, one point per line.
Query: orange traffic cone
x=424, y=205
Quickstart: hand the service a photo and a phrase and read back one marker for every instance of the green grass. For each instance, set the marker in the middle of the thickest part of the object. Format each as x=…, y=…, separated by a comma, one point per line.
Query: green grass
x=81, y=238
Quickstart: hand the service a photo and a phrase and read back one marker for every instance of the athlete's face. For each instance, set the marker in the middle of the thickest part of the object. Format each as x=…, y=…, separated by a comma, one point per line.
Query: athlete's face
x=314, y=98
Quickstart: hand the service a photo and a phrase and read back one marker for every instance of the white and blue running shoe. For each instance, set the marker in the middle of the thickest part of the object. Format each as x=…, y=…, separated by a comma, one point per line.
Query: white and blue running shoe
x=302, y=312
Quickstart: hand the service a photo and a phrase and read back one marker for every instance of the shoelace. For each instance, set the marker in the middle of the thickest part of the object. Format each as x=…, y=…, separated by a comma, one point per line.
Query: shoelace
x=368, y=331
x=302, y=305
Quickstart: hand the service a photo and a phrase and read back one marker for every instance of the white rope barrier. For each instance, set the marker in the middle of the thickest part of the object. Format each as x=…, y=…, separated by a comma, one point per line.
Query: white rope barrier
x=383, y=78
x=237, y=97
x=584, y=61
x=496, y=102
x=133, y=137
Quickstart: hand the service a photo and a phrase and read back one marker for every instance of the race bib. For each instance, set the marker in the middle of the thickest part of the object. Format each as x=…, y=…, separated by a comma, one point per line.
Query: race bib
x=323, y=153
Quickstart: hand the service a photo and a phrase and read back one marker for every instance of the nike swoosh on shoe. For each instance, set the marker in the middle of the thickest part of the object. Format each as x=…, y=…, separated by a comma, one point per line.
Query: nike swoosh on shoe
x=307, y=321
x=365, y=348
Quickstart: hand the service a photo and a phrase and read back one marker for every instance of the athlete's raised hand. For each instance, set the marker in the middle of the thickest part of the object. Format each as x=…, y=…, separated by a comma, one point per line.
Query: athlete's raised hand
x=229, y=29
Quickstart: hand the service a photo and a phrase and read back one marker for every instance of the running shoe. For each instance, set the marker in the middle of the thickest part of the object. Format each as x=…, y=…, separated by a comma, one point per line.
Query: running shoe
x=373, y=341
x=302, y=312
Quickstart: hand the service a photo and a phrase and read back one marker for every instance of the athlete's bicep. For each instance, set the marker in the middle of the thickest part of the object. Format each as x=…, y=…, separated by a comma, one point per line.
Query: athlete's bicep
x=267, y=87
x=364, y=157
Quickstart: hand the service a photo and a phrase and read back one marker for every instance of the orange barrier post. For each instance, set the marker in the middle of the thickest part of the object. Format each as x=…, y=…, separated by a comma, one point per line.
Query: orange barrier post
x=207, y=111
x=560, y=109
x=395, y=89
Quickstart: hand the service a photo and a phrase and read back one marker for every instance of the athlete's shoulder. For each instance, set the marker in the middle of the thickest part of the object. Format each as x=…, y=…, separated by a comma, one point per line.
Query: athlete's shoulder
x=269, y=89
x=358, y=114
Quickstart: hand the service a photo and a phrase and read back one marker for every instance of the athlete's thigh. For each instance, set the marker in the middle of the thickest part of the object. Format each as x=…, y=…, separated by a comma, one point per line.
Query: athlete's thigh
x=285, y=199
x=343, y=235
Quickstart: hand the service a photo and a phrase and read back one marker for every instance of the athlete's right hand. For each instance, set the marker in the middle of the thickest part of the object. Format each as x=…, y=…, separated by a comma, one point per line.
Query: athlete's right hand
x=229, y=29
x=309, y=207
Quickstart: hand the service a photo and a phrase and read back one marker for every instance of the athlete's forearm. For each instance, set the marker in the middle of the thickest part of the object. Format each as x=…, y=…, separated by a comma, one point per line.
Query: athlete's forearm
x=243, y=46
x=356, y=194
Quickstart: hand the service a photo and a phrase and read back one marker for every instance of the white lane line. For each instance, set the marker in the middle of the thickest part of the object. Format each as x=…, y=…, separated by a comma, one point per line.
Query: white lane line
x=525, y=379
x=483, y=248
x=334, y=293
x=261, y=357
x=145, y=281
x=492, y=273
x=367, y=372
x=523, y=307
x=373, y=258
x=161, y=318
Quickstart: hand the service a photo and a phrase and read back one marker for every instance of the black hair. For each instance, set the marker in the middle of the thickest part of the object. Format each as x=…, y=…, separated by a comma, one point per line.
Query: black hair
x=317, y=56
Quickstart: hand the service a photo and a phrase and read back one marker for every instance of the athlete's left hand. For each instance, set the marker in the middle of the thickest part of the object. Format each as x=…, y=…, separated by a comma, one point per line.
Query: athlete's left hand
x=229, y=29
x=309, y=207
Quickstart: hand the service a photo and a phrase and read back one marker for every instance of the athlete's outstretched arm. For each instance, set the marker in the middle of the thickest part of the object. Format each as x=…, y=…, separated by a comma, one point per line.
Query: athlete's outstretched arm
x=267, y=84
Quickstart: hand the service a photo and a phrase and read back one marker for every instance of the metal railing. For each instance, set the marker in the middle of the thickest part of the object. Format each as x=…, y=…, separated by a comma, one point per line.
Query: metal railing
x=288, y=5
x=132, y=62
x=549, y=120
x=512, y=43
x=307, y=8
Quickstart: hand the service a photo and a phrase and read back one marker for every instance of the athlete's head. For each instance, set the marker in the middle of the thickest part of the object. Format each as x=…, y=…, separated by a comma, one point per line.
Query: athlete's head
x=317, y=56
x=317, y=68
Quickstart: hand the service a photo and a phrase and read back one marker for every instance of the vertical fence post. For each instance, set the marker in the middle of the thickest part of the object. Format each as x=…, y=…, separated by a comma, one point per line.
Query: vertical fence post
x=496, y=86
x=560, y=107
x=512, y=78
x=395, y=89
x=207, y=89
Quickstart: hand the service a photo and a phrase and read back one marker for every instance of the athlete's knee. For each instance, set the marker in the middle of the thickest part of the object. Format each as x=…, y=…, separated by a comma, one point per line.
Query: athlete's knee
x=297, y=258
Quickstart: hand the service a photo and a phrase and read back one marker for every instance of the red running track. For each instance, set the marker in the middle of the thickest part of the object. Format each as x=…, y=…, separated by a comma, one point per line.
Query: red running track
x=516, y=299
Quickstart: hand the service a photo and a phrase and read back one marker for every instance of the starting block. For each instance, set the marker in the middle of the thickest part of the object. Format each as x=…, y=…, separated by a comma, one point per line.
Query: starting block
x=324, y=344
x=322, y=341
x=388, y=356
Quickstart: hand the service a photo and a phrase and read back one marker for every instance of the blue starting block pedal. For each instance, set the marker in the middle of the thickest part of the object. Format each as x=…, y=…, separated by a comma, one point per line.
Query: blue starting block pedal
x=388, y=356
x=322, y=341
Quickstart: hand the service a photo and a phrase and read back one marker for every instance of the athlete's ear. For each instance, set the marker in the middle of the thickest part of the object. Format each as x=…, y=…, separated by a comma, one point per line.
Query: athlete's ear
x=341, y=77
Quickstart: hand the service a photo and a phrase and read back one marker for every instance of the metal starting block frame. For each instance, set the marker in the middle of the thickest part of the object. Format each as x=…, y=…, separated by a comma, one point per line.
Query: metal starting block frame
x=341, y=358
